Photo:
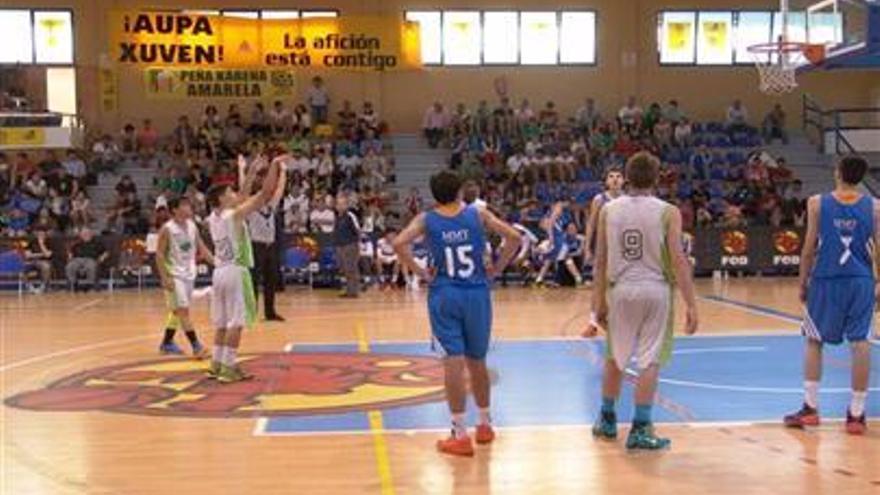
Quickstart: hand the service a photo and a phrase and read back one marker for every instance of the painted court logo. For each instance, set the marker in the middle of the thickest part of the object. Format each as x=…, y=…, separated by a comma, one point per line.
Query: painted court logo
x=285, y=384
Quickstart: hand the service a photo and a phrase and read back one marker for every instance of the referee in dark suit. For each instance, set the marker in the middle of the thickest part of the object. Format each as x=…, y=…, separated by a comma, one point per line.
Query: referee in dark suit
x=346, y=238
x=267, y=257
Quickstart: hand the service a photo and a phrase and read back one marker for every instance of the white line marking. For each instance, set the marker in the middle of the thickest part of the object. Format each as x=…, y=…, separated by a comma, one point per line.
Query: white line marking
x=88, y=304
x=73, y=350
x=750, y=310
x=526, y=428
x=719, y=350
x=260, y=426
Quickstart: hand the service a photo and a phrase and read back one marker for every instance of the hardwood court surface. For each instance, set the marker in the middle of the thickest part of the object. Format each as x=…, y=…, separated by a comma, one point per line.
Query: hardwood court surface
x=45, y=338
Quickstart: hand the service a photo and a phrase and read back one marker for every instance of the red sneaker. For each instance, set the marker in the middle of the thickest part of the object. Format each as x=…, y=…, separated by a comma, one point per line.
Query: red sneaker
x=807, y=416
x=456, y=446
x=485, y=434
x=856, y=425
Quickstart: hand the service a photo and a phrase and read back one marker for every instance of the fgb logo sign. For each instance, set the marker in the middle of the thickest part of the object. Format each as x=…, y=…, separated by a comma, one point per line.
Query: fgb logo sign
x=787, y=244
x=734, y=246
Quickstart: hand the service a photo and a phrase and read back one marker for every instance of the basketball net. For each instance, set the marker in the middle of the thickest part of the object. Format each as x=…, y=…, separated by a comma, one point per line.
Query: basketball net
x=777, y=65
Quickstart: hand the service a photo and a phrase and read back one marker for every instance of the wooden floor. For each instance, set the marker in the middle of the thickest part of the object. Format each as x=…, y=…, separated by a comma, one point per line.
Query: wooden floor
x=48, y=337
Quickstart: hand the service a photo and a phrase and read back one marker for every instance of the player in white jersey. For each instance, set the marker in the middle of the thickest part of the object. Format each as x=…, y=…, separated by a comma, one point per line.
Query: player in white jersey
x=178, y=242
x=639, y=261
x=613, y=189
x=233, y=303
x=387, y=265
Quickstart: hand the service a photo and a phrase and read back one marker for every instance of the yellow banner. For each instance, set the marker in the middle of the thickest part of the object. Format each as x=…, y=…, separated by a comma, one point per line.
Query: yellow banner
x=171, y=82
x=679, y=36
x=22, y=136
x=108, y=89
x=715, y=35
x=361, y=43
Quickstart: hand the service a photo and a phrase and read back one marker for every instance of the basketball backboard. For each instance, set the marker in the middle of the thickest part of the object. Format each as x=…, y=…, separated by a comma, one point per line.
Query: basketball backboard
x=850, y=31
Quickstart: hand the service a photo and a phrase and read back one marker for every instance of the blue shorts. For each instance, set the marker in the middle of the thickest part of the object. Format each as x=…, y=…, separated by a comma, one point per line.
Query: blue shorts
x=839, y=308
x=461, y=319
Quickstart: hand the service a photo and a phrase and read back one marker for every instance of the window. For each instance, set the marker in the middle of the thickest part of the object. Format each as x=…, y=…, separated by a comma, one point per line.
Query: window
x=825, y=27
x=500, y=38
x=241, y=14
x=538, y=38
x=311, y=14
x=53, y=37
x=430, y=34
x=714, y=32
x=461, y=38
x=752, y=28
x=280, y=14
x=17, y=44
x=676, y=37
x=578, y=38
x=506, y=37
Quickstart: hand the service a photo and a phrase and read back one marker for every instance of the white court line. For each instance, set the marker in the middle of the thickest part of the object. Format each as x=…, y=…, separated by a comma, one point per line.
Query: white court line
x=527, y=428
x=88, y=304
x=73, y=350
x=708, y=350
x=750, y=310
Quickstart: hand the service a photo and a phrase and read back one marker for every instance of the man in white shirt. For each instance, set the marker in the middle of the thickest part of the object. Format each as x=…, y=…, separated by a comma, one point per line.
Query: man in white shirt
x=296, y=210
x=630, y=115
x=319, y=100
x=516, y=162
x=323, y=218
x=737, y=117
x=434, y=124
x=279, y=118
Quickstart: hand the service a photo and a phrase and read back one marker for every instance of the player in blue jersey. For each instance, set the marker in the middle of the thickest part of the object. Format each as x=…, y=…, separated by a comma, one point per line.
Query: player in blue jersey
x=459, y=303
x=838, y=286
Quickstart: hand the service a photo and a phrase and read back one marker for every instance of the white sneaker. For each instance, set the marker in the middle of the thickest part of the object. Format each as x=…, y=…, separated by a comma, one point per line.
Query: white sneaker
x=203, y=292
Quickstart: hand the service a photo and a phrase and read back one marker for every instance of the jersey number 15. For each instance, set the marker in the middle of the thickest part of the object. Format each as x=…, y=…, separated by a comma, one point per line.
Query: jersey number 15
x=460, y=261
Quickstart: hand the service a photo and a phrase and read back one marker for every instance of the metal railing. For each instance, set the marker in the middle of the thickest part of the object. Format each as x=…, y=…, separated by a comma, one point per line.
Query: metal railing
x=837, y=120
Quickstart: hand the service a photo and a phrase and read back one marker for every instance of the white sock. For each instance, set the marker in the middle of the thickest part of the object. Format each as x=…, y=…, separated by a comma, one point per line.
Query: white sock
x=217, y=354
x=857, y=404
x=230, y=356
x=458, y=427
x=485, y=417
x=811, y=394
x=593, y=319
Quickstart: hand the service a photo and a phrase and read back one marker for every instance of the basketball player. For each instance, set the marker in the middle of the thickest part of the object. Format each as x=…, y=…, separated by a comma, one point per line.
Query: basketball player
x=639, y=255
x=613, y=189
x=554, y=224
x=459, y=303
x=839, y=287
x=233, y=305
x=176, y=264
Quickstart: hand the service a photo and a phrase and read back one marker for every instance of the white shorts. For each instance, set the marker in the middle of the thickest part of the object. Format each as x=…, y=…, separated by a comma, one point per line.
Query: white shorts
x=640, y=318
x=181, y=296
x=233, y=302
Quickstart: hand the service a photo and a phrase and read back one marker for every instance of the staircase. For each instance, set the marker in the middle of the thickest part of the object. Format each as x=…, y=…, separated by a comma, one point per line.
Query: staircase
x=103, y=195
x=814, y=169
x=415, y=163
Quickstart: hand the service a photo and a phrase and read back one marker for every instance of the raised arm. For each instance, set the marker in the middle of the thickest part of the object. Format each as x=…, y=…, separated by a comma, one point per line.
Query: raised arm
x=682, y=268
x=279, y=189
x=808, y=253
x=256, y=201
x=510, y=235
x=403, y=245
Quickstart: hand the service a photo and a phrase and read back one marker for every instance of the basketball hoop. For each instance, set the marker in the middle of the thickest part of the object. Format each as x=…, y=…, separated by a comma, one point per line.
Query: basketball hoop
x=777, y=63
